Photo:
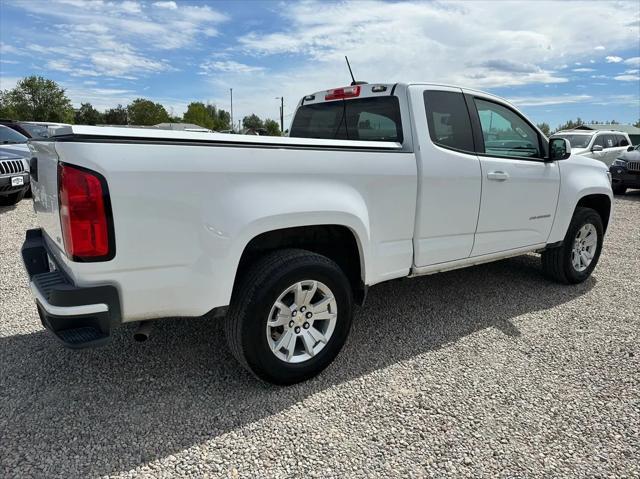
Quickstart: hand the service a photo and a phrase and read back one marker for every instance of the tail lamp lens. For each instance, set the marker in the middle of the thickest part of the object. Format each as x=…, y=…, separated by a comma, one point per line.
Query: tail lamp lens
x=84, y=200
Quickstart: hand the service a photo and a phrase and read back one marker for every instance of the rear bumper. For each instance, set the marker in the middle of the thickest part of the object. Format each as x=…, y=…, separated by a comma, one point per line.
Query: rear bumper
x=6, y=188
x=79, y=317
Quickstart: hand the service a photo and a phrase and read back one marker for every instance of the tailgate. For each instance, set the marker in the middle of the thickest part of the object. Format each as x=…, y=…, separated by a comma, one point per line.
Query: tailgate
x=44, y=185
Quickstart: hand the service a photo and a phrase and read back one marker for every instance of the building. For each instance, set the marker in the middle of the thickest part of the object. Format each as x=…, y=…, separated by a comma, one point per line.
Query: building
x=632, y=131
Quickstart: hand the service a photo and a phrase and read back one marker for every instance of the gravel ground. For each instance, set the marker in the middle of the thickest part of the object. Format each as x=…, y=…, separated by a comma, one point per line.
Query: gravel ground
x=487, y=372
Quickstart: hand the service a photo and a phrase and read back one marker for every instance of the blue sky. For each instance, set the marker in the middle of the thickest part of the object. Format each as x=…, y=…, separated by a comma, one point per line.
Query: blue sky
x=555, y=60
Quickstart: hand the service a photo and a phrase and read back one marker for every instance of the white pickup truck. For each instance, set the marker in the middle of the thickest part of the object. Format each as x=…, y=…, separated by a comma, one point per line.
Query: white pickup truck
x=281, y=236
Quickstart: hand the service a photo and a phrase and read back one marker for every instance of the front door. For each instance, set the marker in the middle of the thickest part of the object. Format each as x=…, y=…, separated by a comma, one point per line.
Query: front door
x=519, y=189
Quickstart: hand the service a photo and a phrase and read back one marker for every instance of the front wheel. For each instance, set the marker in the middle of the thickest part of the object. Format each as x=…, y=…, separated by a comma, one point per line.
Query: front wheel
x=290, y=316
x=575, y=260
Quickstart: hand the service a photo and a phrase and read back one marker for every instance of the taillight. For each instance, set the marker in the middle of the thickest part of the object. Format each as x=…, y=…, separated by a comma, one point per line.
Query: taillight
x=85, y=214
x=345, y=92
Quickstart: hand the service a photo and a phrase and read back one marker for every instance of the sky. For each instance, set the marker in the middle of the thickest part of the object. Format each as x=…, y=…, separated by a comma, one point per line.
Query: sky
x=555, y=60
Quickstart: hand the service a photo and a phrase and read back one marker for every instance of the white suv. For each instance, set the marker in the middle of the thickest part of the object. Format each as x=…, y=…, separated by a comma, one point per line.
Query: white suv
x=603, y=145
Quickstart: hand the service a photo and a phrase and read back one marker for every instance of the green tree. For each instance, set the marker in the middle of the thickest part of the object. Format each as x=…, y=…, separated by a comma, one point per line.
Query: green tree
x=116, y=116
x=221, y=118
x=272, y=127
x=544, y=128
x=252, y=122
x=38, y=99
x=88, y=115
x=570, y=124
x=144, y=112
x=637, y=123
x=200, y=115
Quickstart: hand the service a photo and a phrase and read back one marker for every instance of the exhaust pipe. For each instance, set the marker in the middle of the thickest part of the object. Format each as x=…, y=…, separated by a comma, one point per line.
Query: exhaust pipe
x=143, y=331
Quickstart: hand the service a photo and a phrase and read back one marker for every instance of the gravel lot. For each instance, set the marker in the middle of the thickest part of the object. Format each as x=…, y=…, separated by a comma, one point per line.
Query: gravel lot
x=487, y=372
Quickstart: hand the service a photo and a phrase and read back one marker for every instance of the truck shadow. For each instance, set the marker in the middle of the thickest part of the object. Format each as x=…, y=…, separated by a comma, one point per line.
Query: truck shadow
x=103, y=411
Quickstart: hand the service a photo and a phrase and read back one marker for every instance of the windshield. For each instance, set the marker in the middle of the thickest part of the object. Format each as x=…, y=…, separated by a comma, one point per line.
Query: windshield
x=367, y=119
x=9, y=136
x=577, y=141
x=36, y=131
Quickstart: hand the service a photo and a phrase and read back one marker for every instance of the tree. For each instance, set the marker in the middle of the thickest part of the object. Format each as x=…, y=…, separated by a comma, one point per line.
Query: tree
x=200, y=115
x=37, y=99
x=637, y=124
x=252, y=122
x=544, y=128
x=570, y=124
x=221, y=118
x=116, y=116
x=88, y=115
x=144, y=112
x=272, y=127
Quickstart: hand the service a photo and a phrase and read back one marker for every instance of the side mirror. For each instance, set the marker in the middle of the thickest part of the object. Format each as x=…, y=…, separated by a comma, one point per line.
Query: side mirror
x=597, y=148
x=559, y=149
x=630, y=148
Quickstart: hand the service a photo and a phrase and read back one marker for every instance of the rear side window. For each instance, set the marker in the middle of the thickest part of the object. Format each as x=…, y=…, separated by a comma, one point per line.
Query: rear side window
x=600, y=140
x=609, y=141
x=367, y=119
x=622, y=141
x=448, y=120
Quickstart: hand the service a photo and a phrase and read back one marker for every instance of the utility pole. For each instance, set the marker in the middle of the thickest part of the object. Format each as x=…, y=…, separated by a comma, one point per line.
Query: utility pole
x=231, y=92
x=281, y=98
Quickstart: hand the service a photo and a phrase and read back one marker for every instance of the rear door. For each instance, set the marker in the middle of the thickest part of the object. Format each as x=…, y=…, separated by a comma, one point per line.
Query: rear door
x=519, y=188
x=448, y=175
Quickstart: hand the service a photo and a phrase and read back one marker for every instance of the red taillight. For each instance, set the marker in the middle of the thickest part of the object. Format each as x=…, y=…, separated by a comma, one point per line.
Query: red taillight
x=84, y=210
x=345, y=92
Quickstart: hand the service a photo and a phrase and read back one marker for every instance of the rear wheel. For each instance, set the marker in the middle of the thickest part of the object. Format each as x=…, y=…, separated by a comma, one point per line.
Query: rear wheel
x=574, y=261
x=290, y=316
x=12, y=199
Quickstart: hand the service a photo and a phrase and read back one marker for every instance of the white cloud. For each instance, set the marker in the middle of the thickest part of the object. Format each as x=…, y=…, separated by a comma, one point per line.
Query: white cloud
x=229, y=66
x=117, y=39
x=599, y=47
x=404, y=41
x=167, y=5
x=634, y=61
x=549, y=100
x=635, y=77
x=579, y=70
x=613, y=59
x=7, y=83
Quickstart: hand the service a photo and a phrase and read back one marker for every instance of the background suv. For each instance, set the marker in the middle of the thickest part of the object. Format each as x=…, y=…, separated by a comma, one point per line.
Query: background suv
x=602, y=145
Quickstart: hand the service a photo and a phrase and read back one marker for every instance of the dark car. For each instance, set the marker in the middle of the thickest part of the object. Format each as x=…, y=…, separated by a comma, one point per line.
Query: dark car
x=14, y=178
x=625, y=171
x=14, y=166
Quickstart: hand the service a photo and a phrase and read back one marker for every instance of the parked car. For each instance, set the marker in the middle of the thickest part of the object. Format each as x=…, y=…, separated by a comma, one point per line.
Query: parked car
x=15, y=144
x=625, y=171
x=282, y=235
x=14, y=178
x=601, y=145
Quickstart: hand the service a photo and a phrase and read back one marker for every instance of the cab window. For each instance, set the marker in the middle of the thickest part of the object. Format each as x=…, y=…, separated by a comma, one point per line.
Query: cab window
x=448, y=120
x=506, y=133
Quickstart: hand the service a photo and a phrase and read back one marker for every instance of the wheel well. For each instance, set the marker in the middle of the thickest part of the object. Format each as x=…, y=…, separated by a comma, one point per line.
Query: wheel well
x=333, y=241
x=600, y=203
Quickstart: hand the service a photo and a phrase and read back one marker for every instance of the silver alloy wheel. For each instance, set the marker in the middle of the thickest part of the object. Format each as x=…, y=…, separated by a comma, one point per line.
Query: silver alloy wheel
x=584, y=247
x=301, y=321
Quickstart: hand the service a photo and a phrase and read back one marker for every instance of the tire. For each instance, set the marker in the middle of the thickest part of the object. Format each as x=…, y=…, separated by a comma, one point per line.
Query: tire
x=619, y=189
x=558, y=263
x=255, y=345
x=12, y=199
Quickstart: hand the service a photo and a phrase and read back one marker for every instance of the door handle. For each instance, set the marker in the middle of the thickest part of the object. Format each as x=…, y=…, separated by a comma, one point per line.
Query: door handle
x=498, y=175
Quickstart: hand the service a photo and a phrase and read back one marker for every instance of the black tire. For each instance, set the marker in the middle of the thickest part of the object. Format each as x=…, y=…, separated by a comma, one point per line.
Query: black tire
x=556, y=262
x=259, y=288
x=12, y=199
x=619, y=189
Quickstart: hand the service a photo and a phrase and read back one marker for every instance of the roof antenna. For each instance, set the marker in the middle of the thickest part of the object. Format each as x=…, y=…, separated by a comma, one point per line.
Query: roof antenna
x=353, y=82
